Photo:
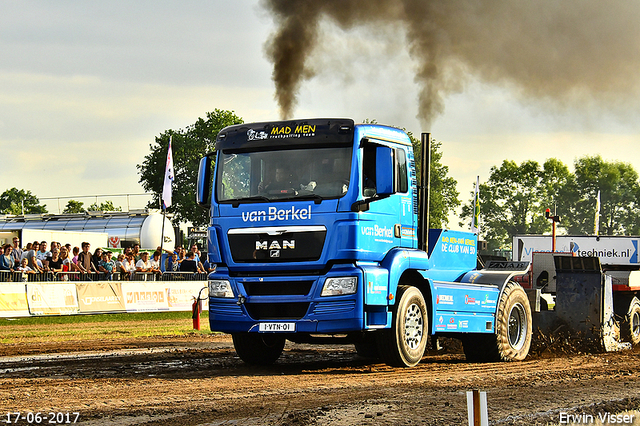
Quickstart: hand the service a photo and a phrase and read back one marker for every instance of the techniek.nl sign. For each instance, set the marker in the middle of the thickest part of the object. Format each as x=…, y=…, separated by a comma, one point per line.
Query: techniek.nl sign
x=610, y=250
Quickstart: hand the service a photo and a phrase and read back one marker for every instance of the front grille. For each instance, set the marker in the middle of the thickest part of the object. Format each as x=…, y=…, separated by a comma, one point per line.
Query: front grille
x=285, y=288
x=269, y=311
x=296, y=246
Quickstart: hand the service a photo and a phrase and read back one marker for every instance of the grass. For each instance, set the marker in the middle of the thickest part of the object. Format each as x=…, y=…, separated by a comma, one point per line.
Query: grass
x=88, y=327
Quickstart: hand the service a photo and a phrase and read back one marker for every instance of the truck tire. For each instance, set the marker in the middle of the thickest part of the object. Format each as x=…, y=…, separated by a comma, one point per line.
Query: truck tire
x=631, y=325
x=512, y=338
x=258, y=348
x=403, y=345
x=513, y=324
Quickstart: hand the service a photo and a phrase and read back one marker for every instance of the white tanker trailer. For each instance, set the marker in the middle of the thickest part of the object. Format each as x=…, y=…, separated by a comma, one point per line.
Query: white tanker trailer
x=122, y=229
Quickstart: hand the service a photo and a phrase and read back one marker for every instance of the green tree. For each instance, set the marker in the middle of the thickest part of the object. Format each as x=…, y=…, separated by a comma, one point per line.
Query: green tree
x=13, y=200
x=619, y=197
x=74, y=206
x=443, y=195
x=515, y=197
x=106, y=206
x=188, y=146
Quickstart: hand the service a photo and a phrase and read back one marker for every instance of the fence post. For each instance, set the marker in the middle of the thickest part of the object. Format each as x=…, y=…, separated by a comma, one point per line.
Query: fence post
x=477, y=408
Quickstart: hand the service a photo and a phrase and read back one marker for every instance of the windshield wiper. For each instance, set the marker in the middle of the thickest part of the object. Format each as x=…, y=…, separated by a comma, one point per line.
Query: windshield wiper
x=317, y=199
x=235, y=202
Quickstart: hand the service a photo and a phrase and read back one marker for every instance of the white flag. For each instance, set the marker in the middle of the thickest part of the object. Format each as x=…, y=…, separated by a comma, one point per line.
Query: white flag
x=168, y=179
x=596, y=225
x=475, y=222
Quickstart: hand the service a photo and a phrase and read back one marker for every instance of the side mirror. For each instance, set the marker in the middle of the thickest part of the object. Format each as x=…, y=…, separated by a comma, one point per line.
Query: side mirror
x=384, y=171
x=203, y=186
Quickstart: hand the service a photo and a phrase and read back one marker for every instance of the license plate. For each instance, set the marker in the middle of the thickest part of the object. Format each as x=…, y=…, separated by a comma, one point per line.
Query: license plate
x=271, y=327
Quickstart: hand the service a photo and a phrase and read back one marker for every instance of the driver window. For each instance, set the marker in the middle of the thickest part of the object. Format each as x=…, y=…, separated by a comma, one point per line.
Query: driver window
x=369, y=171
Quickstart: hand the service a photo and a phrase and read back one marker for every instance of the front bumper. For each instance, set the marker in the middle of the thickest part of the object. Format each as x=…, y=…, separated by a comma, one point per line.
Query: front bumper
x=293, y=300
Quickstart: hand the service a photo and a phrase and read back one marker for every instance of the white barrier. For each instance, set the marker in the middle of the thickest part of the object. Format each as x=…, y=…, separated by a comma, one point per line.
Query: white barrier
x=66, y=298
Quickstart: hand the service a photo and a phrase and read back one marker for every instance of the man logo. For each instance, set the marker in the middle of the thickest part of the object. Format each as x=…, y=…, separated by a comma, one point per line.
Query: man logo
x=276, y=245
x=274, y=253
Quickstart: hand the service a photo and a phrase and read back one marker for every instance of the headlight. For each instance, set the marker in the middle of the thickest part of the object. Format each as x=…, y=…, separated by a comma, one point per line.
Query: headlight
x=220, y=288
x=339, y=286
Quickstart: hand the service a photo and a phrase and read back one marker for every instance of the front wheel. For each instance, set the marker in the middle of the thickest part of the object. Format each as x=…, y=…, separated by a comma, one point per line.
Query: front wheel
x=258, y=348
x=404, y=344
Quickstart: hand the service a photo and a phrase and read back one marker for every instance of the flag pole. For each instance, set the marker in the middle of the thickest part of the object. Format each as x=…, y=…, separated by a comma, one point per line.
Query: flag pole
x=475, y=220
x=164, y=218
x=596, y=224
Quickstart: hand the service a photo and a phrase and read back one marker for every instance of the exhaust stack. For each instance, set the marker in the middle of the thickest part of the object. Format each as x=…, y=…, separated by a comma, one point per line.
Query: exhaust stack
x=423, y=193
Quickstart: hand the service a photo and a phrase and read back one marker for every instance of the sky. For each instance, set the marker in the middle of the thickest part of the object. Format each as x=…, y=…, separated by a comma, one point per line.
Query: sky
x=85, y=87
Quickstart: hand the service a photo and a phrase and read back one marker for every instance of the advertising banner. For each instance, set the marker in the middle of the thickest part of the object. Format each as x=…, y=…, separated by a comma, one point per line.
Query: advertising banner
x=145, y=296
x=52, y=299
x=610, y=249
x=13, y=300
x=100, y=296
x=56, y=298
x=182, y=294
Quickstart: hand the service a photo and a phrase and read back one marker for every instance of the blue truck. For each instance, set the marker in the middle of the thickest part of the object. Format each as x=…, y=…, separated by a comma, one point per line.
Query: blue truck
x=319, y=234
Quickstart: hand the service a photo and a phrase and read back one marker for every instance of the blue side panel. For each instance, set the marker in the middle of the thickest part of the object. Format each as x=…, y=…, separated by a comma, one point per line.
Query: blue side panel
x=376, y=285
x=452, y=249
x=464, y=308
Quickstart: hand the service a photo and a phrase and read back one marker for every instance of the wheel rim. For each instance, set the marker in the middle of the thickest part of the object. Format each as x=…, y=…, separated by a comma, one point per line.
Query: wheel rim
x=635, y=324
x=413, y=327
x=517, y=326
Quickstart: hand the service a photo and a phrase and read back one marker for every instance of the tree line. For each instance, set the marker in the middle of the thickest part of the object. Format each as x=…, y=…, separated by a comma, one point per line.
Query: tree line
x=514, y=199
x=16, y=201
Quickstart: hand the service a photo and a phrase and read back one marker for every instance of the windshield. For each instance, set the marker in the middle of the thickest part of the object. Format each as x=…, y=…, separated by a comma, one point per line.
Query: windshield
x=291, y=173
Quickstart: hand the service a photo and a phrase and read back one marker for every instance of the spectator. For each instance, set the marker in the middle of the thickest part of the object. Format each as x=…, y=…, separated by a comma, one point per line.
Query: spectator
x=16, y=254
x=189, y=264
x=43, y=255
x=55, y=263
x=194, y=249
x=196, y=252
x=32, y=256
x=85, y=261
x=6, y=261
x=174, y=263
x=67, y=264
x=129, y=265
x=74, y=259
x=97, y=257
x=107, y=265
x=155, y=262
x=120, y=265
x=144, y=264
x=24, y=267
x=136, y=252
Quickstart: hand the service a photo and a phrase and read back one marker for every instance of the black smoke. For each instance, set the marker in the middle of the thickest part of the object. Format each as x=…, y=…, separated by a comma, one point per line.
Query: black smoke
x=569, y=53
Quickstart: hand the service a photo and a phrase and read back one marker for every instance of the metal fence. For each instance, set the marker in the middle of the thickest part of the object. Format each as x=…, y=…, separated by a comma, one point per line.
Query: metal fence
x=7, y=276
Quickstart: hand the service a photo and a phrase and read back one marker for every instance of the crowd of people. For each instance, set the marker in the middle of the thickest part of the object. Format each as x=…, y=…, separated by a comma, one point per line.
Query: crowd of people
x=36, y=258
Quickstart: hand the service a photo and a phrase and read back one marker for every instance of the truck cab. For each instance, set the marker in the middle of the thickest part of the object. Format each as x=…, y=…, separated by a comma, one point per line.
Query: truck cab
x=315, y=233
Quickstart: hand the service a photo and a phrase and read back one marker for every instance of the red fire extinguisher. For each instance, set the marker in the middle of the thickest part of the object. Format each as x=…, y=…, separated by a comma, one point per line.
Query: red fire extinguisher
x=196, y=308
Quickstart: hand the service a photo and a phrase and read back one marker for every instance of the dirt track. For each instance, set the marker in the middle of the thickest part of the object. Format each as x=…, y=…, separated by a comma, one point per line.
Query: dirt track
x=199, y=380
